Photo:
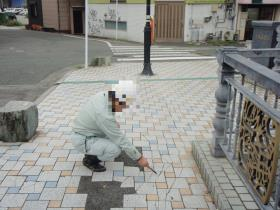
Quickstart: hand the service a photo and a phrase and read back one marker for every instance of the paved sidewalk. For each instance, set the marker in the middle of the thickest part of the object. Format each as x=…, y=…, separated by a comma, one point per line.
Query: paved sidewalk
x=176, y=107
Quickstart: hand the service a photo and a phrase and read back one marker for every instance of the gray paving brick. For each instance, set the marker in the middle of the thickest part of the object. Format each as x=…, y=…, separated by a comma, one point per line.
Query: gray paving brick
x=52, y=194
x=13, y=200
x=81, y=171
x=49, y=176
x=231, y=193
x=45, y=161
x=238, y=208
x=237, y=183
x=235, y=201
x=30, y=170
x=74, y=200
x=134, y=201
x=246, y=197
x=13, y=181
x=29, y=156
x=32, y=187
x=240, y=190
x=69, y=181
x=194, y=202
x=251, y=205
x=59, y=153
x=145, y=188
x=198, y=189
x=42, y=205
x=64, y=166
x=103, y=176
x=131, y=171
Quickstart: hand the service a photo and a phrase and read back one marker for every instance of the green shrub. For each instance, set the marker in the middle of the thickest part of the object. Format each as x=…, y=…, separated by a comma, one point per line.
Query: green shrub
x=3, y=19
x=13, y=23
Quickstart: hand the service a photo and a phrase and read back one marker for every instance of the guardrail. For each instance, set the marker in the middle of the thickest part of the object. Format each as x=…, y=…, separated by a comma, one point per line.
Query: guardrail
x=247, y=120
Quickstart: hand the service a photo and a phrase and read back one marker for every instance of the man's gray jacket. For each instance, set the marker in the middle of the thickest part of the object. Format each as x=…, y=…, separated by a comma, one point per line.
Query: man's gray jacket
x=96, y=119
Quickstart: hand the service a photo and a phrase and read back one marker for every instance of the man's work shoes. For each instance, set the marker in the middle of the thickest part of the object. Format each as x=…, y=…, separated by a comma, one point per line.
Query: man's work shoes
x=92, y=162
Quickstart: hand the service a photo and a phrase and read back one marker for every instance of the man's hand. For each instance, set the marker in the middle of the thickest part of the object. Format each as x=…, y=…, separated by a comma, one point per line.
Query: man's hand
x=143, y=162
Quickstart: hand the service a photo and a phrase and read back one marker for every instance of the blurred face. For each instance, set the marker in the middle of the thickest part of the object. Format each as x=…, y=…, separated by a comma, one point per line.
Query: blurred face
x=117, y=105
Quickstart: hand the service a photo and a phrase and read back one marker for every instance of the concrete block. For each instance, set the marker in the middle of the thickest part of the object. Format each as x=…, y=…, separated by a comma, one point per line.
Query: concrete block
x=18, y=121
x=101, y=61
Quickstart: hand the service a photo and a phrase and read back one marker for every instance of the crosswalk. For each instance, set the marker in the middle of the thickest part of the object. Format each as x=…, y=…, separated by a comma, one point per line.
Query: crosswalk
x=134, y=53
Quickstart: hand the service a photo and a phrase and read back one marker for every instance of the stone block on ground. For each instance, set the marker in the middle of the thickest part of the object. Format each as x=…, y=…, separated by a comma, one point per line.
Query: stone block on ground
x=101, y=61
x=18, y=121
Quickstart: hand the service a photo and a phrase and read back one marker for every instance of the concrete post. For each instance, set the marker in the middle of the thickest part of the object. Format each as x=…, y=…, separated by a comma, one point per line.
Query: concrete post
x=221, y=95
x=276, y=60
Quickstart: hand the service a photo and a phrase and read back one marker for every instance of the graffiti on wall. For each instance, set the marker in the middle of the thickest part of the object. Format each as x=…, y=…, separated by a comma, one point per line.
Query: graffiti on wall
x=96, y=22
x=111, y=15
x=95, y=25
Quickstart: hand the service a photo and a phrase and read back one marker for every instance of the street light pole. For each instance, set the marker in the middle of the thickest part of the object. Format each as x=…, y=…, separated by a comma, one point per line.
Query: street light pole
x=86, y=34
x=147, y=42
x=117, y=19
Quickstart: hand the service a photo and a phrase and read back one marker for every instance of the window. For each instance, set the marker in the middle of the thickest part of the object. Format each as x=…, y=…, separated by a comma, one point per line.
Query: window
x=119, y=1
x=34, y=10
x=111, y=24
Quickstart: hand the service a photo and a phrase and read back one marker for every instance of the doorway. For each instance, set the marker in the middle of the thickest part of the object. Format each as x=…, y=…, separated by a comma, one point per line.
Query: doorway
x=169, y=20
x=78, y=21
x=256, y=12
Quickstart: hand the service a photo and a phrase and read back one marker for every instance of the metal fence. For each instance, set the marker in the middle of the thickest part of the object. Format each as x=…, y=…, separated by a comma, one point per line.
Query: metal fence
x=247, y=120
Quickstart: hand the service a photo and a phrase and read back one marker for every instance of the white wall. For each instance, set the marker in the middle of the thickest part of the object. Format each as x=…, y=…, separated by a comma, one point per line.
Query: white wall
x=195, y=27
x=134, y=14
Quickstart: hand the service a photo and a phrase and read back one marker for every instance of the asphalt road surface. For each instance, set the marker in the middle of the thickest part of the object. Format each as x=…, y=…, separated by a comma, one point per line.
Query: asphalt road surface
x=31, y=62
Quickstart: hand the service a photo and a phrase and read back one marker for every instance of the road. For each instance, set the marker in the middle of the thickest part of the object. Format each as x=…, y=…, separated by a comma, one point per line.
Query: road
x=31, y=62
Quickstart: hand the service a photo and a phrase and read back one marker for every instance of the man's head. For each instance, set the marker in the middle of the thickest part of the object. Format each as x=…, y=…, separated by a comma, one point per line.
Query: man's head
x=122, y=94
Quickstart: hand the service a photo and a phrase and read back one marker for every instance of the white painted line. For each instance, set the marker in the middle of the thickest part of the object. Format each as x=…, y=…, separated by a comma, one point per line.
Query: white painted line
x=157, y=53
x=166, y=56
x=139, y=48
x=152, y=48
x=78, y=37
x=133, y=46
x=152, y=51
x=169, y=58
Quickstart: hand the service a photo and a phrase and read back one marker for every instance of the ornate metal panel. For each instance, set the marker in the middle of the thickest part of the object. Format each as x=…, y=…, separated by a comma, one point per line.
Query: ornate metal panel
x=259, y=138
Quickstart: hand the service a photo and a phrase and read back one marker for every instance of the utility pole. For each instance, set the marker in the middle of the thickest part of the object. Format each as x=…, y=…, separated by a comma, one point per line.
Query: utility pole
x=147, y=42
x=117, y=19
x=86, y=34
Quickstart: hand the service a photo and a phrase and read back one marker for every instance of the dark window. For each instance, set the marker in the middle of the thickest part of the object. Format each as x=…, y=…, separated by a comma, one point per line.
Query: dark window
x=257, y=2
x=111, y=24
x=119, y=1
x=34, y=10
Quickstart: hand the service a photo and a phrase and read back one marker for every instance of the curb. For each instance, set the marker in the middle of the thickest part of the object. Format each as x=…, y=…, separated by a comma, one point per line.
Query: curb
x=209, y=177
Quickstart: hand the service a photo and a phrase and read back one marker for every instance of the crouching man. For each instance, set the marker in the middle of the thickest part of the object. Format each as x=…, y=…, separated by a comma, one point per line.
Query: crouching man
x=97, y=132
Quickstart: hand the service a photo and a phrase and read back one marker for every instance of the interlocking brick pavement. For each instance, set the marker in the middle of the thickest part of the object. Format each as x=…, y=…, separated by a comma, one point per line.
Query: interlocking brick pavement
x=176, y=107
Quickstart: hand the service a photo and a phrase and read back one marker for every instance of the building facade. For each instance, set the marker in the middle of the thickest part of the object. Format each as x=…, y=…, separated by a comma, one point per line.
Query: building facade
x=175, y=21
x=250, y=10
x=59, y=15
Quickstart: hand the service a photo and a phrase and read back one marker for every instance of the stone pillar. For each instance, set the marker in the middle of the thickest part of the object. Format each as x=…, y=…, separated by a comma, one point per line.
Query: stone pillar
x=222, y=96
x=276, y=60
x=18, y=121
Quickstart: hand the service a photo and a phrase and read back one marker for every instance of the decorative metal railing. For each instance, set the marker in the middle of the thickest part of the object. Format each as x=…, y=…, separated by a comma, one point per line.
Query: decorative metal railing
x=247, y=120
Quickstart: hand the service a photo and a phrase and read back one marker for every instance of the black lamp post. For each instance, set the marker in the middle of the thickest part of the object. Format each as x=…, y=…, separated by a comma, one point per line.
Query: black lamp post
x=147, y=42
